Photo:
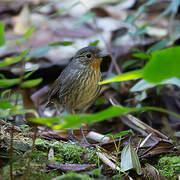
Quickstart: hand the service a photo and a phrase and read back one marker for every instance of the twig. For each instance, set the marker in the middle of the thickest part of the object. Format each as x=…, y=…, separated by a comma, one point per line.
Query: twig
x=136, y=124
x=11, y=152
x=11, y=142
x=32, y=151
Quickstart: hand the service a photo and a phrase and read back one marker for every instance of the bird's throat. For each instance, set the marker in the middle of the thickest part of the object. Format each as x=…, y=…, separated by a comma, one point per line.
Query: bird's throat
x=96, y=64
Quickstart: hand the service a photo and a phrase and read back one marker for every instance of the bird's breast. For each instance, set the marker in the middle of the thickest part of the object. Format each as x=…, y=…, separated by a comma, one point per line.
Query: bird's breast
x=84, y=88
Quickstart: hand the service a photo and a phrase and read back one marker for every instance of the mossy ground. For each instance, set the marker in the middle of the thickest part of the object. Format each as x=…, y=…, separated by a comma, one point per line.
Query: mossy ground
x=63, y=153
x=169, y=166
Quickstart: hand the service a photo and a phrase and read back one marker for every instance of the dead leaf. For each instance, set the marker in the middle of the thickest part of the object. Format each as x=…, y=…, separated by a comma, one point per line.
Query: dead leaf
x=71, y=167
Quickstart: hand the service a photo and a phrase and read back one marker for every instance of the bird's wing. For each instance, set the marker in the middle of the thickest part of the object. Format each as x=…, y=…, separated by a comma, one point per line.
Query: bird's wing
x=64, y=81
x=54, y=89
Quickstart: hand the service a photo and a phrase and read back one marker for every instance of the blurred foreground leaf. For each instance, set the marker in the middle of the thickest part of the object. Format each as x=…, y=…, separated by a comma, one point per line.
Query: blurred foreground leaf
x=76, y=120
x=4, y=104
x=9, y=61
x=130, y=160
x=27, y=35
x=8, y=82
x=2, y=37
x=31, y=83
x=124, y=77
x=163, y=65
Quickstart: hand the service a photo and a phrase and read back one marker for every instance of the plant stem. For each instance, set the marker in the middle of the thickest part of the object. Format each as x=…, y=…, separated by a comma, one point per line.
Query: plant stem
x=11, y=152
x=32, y=150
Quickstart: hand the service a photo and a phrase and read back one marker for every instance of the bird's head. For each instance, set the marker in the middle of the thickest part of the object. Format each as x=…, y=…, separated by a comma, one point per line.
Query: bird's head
x=91, y=56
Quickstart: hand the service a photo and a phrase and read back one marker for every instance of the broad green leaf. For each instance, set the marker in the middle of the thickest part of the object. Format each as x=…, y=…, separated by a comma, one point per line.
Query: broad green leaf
x=143, y=85
x=163, y=65
x=77, y=120
x=9, y=61
x=2, y=36
x=16, y=110
x=124, y=77
x=31, y=83
x=8, y=82
x=94, y=43
x=4, y=104
x=130, y=160
x=85, y=18
x=62, y=43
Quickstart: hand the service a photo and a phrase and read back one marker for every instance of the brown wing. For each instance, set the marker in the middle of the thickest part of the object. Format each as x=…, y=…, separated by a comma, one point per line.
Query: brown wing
x=54, y=89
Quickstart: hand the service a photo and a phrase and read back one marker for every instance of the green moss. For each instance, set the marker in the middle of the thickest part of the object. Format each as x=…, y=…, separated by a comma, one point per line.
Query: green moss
x=63, y=153
x=72, y=153
x=43, y=176
x=169, y=166
x=73, y=176
x=68, y=153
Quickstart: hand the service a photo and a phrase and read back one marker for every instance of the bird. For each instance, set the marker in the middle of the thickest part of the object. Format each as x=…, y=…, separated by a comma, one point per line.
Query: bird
x=77, y=86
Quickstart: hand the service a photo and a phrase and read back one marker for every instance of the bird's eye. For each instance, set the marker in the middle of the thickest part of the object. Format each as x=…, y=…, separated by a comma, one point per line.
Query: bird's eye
x=88, y=55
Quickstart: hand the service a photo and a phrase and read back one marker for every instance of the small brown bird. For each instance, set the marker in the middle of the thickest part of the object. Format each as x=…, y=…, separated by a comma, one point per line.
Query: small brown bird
x=77, y=86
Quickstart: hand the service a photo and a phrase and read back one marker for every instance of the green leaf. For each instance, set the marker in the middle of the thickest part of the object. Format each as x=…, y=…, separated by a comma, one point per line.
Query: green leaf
x=39, y=52
x=8, y=82
x=4, y=104
x=130, y=63
x=62, y=43
x=159, y=45
x=94, y=43
x=163, y=65
x=130, y=160
x=143, y=85
x=2, y=36
x=31, y=83
x=85, y=18
x=16, y=110
x=124, y=77
x=30, y=72
x=120, y=135
x=27, y=35
x=77, y=120
x=142, y=55
x=5, y=93
x=9, y=61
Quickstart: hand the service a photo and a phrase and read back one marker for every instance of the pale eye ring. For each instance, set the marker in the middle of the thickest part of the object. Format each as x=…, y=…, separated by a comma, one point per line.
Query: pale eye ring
x=88, y=55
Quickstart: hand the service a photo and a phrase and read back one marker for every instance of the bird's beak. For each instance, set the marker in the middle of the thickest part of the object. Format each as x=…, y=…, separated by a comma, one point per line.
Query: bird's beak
x=103, y=54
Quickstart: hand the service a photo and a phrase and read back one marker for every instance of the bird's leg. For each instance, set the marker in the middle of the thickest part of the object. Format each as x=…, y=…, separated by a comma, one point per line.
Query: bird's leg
x=83, y=140
x=71, y=135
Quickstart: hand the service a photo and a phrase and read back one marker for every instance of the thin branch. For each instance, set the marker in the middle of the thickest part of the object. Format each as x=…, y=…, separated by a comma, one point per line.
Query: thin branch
x=32, y=151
